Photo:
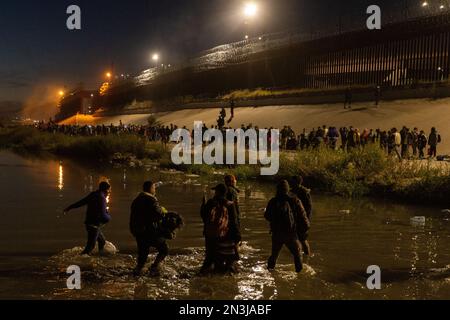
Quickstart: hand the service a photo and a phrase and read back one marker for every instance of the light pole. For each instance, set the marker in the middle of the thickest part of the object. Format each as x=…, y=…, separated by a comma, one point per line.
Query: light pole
x=155, y=59
x=61, y=95
x=250, y=11
x=406, y=9
x=108, y=76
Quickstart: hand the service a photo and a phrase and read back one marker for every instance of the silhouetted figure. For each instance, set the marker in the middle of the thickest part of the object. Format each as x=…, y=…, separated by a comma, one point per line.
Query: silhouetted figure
x=146, y=215
x=304, y=195
x=232, y=106
x=433, y=140
x=287, y=218
x=377, y=95
x=348, y=99
x=221, y=231
x=422, y=142
x=97, y=216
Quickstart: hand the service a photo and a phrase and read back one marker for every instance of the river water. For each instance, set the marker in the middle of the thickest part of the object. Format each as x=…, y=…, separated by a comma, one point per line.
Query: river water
x=37, y=244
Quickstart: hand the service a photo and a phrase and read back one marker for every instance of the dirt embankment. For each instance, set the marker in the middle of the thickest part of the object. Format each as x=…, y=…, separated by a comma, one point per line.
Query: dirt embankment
x=421, y=113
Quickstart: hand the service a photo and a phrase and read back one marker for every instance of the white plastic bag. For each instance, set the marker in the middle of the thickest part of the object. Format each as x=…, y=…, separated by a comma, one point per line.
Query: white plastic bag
x=418, y=221
x=110, y=249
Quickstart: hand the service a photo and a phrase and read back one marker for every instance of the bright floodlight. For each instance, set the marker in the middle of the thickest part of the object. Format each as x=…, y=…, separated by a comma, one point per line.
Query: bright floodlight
x=61, y=93
x=155, y=57
x=425, y=4
x=250, y=10
x=108, y=75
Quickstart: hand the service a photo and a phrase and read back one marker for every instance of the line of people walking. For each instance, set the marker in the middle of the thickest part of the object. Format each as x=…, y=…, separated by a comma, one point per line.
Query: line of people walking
x=405, y=143
x=289, y=214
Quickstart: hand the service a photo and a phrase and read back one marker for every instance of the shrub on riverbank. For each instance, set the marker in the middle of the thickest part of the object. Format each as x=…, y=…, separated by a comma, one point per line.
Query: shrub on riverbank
x=362, y=172
x=103, y=148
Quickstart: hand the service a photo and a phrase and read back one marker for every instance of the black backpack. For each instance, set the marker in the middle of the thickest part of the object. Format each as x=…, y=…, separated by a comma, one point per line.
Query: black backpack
x=283, y=219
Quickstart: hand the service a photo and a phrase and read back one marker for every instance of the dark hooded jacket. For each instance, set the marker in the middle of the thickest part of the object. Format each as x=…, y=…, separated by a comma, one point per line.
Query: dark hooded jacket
x=97, y=208
x=304, y=195
x=146, y=214
x=302, y=223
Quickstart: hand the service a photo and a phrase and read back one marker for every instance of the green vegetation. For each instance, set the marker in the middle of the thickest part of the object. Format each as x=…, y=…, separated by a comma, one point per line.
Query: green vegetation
x=365, y=172
x=261, y=93
x=97, y=148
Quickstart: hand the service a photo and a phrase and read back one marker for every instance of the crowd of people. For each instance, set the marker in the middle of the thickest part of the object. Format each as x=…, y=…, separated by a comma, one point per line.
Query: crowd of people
x=155, y=133
x=405, y=143
x=289, y=214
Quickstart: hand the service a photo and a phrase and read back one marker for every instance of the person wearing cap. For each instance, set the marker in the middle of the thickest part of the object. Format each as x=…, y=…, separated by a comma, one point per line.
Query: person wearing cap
x=146, y=213
x=221, y=232
x=97, y=215
x=287, y=218
x=304, y=195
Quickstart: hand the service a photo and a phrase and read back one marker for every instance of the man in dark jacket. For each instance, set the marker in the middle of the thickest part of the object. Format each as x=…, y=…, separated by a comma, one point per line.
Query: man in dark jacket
x=146, y=214
x=422, y=142
x=97, y=215
x=304, y=195
x=287, y=217
x=221, y=231
x=433, y=140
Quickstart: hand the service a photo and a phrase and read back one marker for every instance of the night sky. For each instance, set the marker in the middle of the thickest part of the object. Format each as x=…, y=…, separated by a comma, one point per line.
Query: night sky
x=37, y=50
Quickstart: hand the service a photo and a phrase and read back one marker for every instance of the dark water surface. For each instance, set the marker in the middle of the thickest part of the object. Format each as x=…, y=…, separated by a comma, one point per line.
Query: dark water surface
x=37, y=244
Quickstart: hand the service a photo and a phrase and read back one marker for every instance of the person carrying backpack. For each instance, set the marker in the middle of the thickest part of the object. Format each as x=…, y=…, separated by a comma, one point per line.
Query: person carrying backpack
x=287, y=218
x=146, y=214
x=221, y=231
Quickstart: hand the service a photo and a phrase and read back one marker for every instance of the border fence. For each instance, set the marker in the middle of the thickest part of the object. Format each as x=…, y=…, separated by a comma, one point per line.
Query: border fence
x=402, y=54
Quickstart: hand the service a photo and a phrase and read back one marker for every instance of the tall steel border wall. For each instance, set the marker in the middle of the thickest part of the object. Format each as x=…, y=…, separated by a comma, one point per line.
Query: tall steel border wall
x=403, y=55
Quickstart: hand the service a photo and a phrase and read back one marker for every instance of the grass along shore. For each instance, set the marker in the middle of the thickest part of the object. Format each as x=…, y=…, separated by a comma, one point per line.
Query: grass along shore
x=93, y=148
x=364, y=172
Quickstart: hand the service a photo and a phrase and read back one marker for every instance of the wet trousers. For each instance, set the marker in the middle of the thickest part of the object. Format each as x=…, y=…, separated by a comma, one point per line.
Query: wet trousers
x=144, y=243
x=294, y=246
x=94, y=235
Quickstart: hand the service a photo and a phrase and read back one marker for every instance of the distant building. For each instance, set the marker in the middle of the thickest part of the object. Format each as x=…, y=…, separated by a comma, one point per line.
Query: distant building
x=77, y=102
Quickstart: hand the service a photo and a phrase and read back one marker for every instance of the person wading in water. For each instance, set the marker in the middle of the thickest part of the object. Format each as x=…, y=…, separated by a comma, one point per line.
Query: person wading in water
x=304, y=195
x=146, y=215
x=221, y=232
x=287, y=217
x=97, y=216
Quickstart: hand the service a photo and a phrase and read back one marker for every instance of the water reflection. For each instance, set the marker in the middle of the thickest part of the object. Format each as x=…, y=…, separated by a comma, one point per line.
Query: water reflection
x=124, y=179
x=60, y=177
x=374, y=232
x=89, y=183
